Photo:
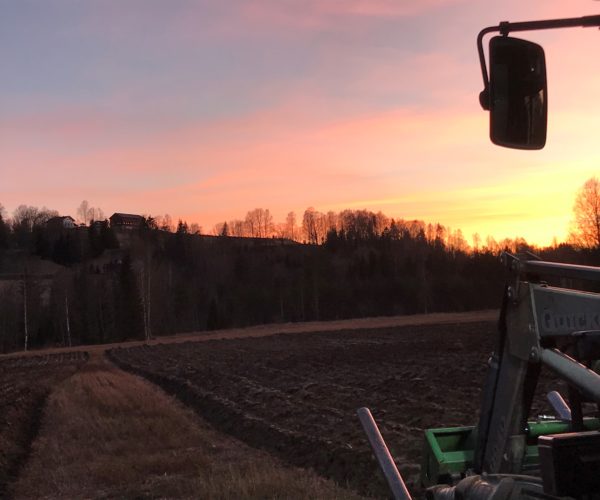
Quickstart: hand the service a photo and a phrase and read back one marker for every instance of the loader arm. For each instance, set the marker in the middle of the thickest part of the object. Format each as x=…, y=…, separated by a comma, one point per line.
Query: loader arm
x=539, y=325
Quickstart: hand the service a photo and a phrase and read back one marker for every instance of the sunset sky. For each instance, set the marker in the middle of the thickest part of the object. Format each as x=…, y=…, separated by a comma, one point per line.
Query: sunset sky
x=206, y=109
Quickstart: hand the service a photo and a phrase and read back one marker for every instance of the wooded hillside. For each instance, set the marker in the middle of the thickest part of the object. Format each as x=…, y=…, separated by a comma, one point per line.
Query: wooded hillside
x=93, y=284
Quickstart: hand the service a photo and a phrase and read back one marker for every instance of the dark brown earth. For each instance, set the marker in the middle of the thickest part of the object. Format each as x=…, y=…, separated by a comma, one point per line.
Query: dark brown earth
x=297, y=395
x=294, y=395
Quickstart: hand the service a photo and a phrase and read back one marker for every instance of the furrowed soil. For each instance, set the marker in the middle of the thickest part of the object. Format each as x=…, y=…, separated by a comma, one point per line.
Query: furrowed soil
x=296, y=395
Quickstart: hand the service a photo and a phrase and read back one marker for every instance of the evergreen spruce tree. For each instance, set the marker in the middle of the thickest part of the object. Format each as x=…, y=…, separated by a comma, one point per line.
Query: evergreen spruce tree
x=130, y=320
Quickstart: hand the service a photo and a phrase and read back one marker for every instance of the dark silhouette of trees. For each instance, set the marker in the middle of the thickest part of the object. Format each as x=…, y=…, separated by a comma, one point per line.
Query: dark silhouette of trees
x=182, y=227
x=4, y=232
x=129, y=313
x=356, y=263
x=214, y=319
x=224, y=230
x=108, y=238
x=66, y=250
x=25, y=221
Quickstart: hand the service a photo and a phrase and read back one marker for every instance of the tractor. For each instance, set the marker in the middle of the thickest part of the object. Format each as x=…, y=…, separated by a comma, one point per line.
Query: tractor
x=548, y=318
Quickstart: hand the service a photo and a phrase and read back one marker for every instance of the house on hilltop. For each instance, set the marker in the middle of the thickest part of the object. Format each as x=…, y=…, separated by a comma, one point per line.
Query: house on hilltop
x=126, y=221
x=58, y=224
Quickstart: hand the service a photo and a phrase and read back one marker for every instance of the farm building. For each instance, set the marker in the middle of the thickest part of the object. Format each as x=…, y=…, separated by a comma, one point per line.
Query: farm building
x=126, y=221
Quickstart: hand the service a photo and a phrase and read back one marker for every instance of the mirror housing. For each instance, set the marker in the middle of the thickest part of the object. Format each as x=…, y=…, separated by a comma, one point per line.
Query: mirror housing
x=518, y=94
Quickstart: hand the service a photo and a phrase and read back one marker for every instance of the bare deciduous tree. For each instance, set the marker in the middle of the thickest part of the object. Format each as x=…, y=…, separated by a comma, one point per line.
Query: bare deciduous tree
x=586, y=230
x=166, y=223
x=476, y=242
x=96, y=214
x=290, y=226
x=30, y=217
x=456, y=241
x=83, y=212
x=87, y=214
x=238, y=228
x=259, y=222
x=309, y=225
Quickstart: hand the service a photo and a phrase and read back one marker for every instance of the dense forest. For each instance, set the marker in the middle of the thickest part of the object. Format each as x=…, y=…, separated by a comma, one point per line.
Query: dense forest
x=93, y=283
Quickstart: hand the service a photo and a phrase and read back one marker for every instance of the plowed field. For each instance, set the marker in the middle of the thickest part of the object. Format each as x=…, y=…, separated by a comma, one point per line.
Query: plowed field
x=297, y=395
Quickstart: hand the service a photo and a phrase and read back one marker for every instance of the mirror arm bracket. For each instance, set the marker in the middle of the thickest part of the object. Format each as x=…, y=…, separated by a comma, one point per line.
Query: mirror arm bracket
x=505, y=27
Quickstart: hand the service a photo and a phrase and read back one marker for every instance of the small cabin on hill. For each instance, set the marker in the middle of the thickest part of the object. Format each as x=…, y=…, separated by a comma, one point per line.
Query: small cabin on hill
x=126, y=221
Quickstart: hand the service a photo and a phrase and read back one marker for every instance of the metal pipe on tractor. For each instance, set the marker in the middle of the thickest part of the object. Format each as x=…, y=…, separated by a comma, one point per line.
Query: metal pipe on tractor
x=386, y=462
x=507, y=455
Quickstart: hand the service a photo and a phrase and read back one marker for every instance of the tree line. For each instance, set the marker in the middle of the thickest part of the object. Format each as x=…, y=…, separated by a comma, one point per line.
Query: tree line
x=315, y=227
x=94, y=284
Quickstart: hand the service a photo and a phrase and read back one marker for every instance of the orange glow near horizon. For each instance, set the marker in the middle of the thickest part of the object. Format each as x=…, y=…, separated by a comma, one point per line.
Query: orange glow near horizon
x=206, y=121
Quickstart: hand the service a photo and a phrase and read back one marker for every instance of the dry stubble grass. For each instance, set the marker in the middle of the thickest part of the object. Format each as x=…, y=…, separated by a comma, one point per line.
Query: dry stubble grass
x=109, y=434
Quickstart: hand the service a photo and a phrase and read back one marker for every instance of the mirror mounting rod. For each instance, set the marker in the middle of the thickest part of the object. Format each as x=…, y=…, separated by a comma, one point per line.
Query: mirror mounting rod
x=504, y=28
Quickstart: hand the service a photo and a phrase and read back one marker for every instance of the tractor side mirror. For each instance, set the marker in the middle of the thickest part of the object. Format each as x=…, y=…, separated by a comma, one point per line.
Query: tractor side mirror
x=518, y=94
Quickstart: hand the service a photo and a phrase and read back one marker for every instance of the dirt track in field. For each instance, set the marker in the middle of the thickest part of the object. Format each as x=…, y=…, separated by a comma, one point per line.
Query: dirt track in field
x=24, y=386
x=109, y=434
x=281, y=328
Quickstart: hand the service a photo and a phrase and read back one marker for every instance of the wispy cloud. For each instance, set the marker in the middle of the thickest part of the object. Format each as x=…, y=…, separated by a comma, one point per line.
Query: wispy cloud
x=321, y=13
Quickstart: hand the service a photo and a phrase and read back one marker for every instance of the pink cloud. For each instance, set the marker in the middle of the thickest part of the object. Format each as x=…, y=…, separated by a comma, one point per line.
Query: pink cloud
x=288, y=18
